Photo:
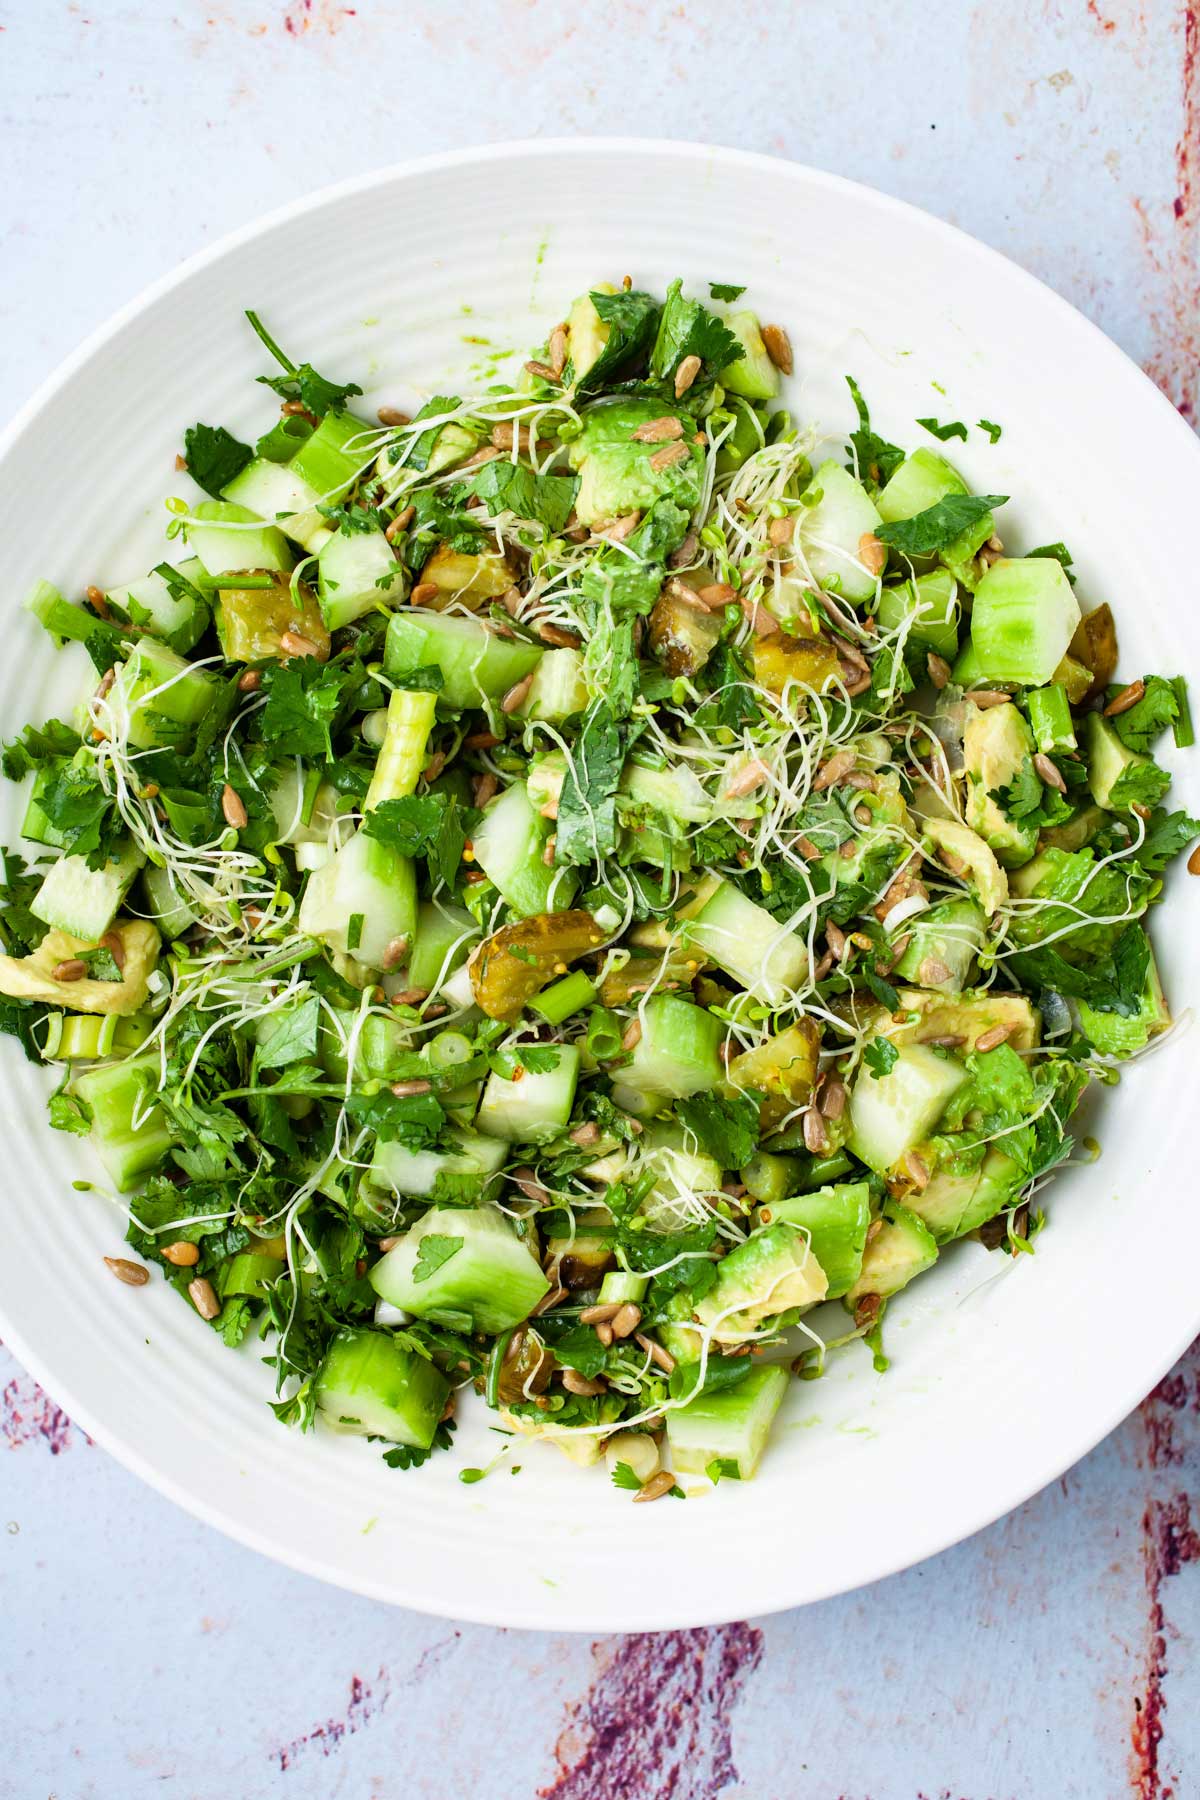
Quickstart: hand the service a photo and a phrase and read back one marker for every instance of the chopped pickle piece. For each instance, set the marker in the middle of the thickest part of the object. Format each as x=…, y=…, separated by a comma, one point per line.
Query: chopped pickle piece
x=517, y=961
x=810, y=662
x=682, y=637
x=1095, y=646
x=783, y=1070
x=252, y=621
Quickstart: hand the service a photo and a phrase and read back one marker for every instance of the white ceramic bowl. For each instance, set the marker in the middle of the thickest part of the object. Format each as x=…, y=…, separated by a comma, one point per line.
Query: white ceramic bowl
x=1001, y=1375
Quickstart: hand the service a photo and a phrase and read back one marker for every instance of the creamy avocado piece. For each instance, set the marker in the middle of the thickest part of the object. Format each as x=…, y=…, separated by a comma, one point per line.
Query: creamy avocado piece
x=942, y=945
x=941, y=1205
x=964, y=853
x=32, y=977
x=903, y=1249
x=771, y=1272
x=619, y=475
x=1114, y=771
x=996, y=745
x=923, y=1015
x=1113, y=1035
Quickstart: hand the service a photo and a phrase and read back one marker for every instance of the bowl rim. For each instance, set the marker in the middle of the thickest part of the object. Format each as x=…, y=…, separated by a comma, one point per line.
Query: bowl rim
x=1123, y=1400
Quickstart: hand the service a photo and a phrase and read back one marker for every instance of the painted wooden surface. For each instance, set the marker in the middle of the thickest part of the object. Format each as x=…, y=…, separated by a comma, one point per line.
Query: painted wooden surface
x=1055, y=1656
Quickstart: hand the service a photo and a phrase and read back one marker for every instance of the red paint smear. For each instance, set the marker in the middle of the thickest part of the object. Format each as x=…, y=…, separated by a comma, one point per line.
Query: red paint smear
x=28, y=1416
x=364, y=1704
x=1104, y=24
x=301, y=18
x=1176, y=365
x=1169, y=1542
x=657, y=1720
x=1160, y=1410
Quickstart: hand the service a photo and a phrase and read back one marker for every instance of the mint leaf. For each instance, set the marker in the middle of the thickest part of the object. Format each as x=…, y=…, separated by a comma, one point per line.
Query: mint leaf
x=632, y=318
x=434, y=1252
x=938, y=525
x=413, y=1120
x=587, y=819
x=880, y=1056
x=956, y=429
x=214, y=456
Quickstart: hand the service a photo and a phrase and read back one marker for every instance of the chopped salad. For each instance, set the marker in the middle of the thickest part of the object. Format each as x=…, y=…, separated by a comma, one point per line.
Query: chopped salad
x=585, y=892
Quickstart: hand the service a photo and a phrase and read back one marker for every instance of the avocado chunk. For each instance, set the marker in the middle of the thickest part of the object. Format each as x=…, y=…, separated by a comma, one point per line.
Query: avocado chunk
x=941, y=1205
x=1113, y=1035
x=619, y=475
x=753, y=376
x=942, y=945
x=1117, y=776
x=996, y=745
x=770, y=1272
x=967, y=1016
x=835, y=1219
x=587, y=333
x=998, y=1186
x=964, y=853
x=901, y=1250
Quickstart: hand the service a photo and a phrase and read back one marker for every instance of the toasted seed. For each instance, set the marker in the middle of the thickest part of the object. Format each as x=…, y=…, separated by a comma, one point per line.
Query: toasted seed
x=988, y=1040
x=750, y=776
x=516, y=695
x=602, y=1314
x=808, y=849
x=668, y=456
x=131, y=1273
x=549, y=849
x=527, y=1182
x=410, y=996
x=685, y=374
x=939, y=669
x=816, y=1138
x=866, y=1309
x=233, y=807
x=626, y=1320
x=203, y=1297
x=932, y=971
x=558, y=350
x=114, y=943
x=659, y=431
x=73, y=968
x=871, y=553
x=944, y=1040
x=182, y=1254
x=483, y=789
x=779, y=348
x=481, y=740
x=1128, y=696
x=250, y=681
x=604, y=1332
x=656, y=1487
x=294, y=643
x=837, y=940
x=779, y=531
x=585, y=1135
x=554, y=634
x=400, y=523
x=916, y=1169
x=632, y=1035
x=389, y=1243
x=424, y=590
x=985, y=697
x=405, y=1090
x=764, y=622
x=833, y=1097
x=832, y=772
x=1050, y=773
x=542, y=369
x=1193, y=862
x=580, y=1384
x=619, y=529
x=658, y=1355
x=686, y=553
x=395, y=951
x=390, y=415
x=717, y=593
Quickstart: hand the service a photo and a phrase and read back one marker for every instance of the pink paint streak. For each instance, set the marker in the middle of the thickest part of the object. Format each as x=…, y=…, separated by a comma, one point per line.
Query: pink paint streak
x=364, y=1703
x=316, y=16
x=657, y=1719
x=1174, y=248
x=28, y=1416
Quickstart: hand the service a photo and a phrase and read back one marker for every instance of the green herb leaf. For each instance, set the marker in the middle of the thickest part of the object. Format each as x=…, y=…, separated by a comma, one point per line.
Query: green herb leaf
x=413, y=1120
x=292, y=1037
x=632, y=319
x=1139, y=784
x=624, y=1477
x=726, y=1128
x=883, y=990
x=1056, y=553
x=69, y=1113
x=434, y=1252
x=877, y=459
x=315, y=392
x=516, y=488
x=724, y=290
x=303, y=700
x=405, y=1457
x=1144, y=723
x=1167, y=836
x=214, y=456
x=955, y=429
x=723, y=1468
x=938, y=525
x=687, y=328
x=993, y=430
x=587, y=819
x=880, y=1057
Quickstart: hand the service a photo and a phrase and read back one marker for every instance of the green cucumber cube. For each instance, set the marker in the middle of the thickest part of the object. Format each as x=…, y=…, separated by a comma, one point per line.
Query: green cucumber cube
x=476, y=665
x=129, y=1131
x=83, y=901
x=462, y=1259
x=743, y=939
x=892, y=1113
x=370, y=1385
x=535, y=1107
x=729, y=1426
x=679, y=1050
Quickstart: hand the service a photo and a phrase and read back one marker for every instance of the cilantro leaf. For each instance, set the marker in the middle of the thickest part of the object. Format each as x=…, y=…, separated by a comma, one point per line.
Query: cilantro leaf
x=1148, y=718
x=723, y=1468
x=1140, y=784
x=434, y=1252
x=69, y=1113
x=883, y=990
x=1056, y=553
x=413, y=1120
x=77, y=806
x=731, y=702
x=405, y=1457
x=1023, y=794
x=721, y=1372
x=955, y=429
x=421, y=448
x=1112, y=986
x=1167, y=835
x=303, y=701
x=579, y=1348
x=315, y=392
x=726, y=1128
x=428, y=825
x=292, y=1037
x=213, y=457
x=587, y=817
x=990, y=426
x=877, y=459
x=938, y=525
x=38, y=746
x=880, y=1056
x=724, y=290
x=687, y=328
x=516, y=488
x=632, y=319
x=623, y=1475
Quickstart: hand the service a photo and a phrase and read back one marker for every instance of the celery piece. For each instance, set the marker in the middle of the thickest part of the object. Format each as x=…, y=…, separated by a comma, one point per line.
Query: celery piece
x=62, y=619
x=338, y=451
x=83, y=1037
x=403, y=753
x=370, y=1384
x=154, y=693
x=229, y=539
x=129, y=1131
x=1050, y=717
x=625, y=1289
x=570, y=995
x=1024, y=617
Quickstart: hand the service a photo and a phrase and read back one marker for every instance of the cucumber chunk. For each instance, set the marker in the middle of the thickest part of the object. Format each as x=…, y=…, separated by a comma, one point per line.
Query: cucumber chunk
x=83, y=901
x=753, y=376
x=748, y=943
x=679, y=1050
x=476, y=1264
x=508, y=845
x=1024, y=617
x=276, y=493
x=892, y=1113
x=832, y=530
x=356, y=573
x=442, y=944
x=729, y=1426
x=535, y=1107
x=416, y=1172
x=173, y=610
x=154, y=692
x=165, y=904
x=935, y=599
x=230, y=539
x=129, y=1131
x=476, y=666
x=559, y=688
x=368, y=881
x=836, y=1220
x=368, y=1384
